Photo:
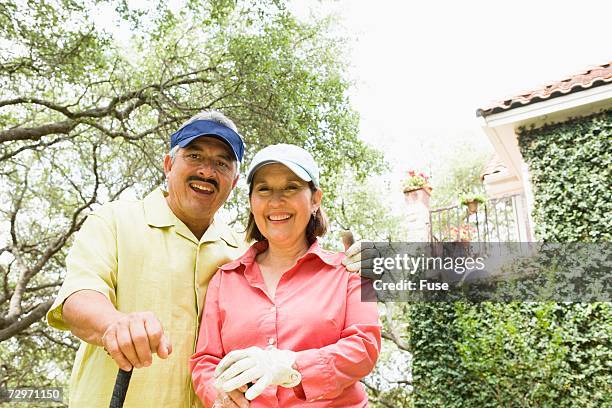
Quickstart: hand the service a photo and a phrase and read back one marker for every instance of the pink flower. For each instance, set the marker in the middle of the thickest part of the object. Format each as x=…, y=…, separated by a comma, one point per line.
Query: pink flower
x=416, y=180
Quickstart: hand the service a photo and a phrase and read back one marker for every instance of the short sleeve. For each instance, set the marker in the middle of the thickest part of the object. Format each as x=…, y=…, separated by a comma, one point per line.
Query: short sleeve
x=91, y=264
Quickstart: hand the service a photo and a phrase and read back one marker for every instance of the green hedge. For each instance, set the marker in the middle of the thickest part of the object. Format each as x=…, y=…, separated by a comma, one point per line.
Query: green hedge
x=512, y=355
x=531, y=354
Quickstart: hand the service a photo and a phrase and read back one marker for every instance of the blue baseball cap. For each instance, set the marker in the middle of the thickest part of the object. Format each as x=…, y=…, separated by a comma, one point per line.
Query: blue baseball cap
x=197, y=128
x=294, y=157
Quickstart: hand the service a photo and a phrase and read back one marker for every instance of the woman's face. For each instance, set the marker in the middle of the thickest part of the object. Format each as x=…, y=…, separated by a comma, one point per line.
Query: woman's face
x=282, y=204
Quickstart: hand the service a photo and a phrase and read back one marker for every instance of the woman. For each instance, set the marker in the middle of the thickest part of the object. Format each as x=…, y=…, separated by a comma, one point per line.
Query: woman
x=286, y=315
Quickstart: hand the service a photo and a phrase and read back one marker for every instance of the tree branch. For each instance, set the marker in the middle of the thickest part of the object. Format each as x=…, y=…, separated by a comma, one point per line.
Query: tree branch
x=36, y=133
x=36, y=101
x=389, y=335
x=32, y=147
x=5, y=292
x=36, y=314
x=31, y=289
x=27, y=273
x=390, y=330
x=127, y=136
x=376, y=397
x=139, y=96
x=53, y=339
x=15, y=210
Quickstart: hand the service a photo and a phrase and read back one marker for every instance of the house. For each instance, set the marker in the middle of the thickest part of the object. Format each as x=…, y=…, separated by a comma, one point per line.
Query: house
x=566, y=101
x=560, y=191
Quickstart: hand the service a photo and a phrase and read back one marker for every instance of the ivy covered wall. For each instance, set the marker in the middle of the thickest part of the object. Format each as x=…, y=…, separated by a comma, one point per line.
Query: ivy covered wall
x=531, y=354
x=511, y=355
x=570, y=164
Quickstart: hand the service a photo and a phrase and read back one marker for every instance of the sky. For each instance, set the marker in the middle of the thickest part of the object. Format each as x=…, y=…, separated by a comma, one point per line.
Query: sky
x=422, y=68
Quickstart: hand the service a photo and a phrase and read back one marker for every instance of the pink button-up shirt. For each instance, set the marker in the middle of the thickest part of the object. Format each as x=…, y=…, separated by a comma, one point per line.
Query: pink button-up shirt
x=316, y=311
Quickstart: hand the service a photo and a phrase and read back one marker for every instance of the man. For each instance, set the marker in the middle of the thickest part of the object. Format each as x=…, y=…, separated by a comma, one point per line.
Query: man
x=138, y=273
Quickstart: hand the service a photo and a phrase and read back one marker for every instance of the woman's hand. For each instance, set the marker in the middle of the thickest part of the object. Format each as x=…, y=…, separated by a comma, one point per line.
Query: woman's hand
x=264, y=367
x=232, y=399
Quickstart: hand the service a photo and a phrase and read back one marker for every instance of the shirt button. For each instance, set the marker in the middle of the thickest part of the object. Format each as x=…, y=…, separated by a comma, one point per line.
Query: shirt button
x=271, y=341
x=273, y=309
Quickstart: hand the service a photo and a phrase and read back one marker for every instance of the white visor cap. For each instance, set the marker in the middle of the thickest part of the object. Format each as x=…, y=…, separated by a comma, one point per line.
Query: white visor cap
x=294, y=157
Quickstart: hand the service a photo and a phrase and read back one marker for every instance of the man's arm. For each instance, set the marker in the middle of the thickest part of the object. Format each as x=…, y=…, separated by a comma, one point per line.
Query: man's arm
x=360, y=257
x=129, y=338
x=88, y=313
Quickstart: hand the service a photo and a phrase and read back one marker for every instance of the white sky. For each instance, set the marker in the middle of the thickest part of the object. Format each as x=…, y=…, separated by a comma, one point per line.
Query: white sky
x=422, y=68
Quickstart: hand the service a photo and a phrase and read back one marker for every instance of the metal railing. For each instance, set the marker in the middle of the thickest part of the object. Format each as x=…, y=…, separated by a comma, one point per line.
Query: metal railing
x=497, y=220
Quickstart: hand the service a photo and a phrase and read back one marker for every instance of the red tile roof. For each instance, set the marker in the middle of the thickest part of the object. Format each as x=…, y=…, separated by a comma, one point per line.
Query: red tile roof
x=590, y=78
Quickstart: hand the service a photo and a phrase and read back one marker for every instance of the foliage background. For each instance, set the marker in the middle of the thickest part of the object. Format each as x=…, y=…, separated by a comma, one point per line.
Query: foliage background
x=571, y=165
x=530, y=354
x=85, y=116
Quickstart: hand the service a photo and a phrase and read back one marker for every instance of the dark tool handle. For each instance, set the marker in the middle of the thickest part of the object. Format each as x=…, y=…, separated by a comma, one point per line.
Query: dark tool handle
x=121, y=386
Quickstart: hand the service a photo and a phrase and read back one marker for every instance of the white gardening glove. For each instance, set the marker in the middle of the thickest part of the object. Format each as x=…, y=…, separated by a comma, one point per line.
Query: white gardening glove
x=269, y=366
x=361, y=255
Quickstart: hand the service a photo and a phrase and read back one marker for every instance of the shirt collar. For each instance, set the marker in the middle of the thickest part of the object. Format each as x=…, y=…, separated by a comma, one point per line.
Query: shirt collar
x=218, y=230
x=157, y=212
x=159, y=215
x=315, y=251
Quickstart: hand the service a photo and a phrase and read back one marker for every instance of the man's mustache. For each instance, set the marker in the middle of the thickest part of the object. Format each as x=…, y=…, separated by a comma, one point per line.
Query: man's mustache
x=204, y=180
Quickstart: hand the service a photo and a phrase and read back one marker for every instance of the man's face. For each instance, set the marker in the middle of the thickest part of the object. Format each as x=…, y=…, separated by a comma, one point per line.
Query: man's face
x=200, y=179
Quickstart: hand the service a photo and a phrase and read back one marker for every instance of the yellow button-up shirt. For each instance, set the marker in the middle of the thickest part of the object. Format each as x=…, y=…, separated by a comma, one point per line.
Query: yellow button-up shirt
x=143, y=258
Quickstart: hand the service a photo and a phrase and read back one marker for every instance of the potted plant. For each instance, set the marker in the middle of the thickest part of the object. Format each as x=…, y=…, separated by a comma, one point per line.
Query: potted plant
x=472, y=200
x=416, y=187
x=416, y=181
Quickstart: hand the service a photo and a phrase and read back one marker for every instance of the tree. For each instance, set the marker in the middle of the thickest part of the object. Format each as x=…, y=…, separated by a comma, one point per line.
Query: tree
x=361, y=206
x=457, y=174
x=390, y=385
x=86, y=116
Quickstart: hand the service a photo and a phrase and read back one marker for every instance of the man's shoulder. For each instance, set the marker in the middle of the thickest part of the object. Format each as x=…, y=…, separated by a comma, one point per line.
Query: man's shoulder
x=119, y=212
x=119, y=207
x=231, y=235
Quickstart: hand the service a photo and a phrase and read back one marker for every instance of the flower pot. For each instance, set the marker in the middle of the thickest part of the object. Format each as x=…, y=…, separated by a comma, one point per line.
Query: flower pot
x=472, y=206
x=418, y=195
